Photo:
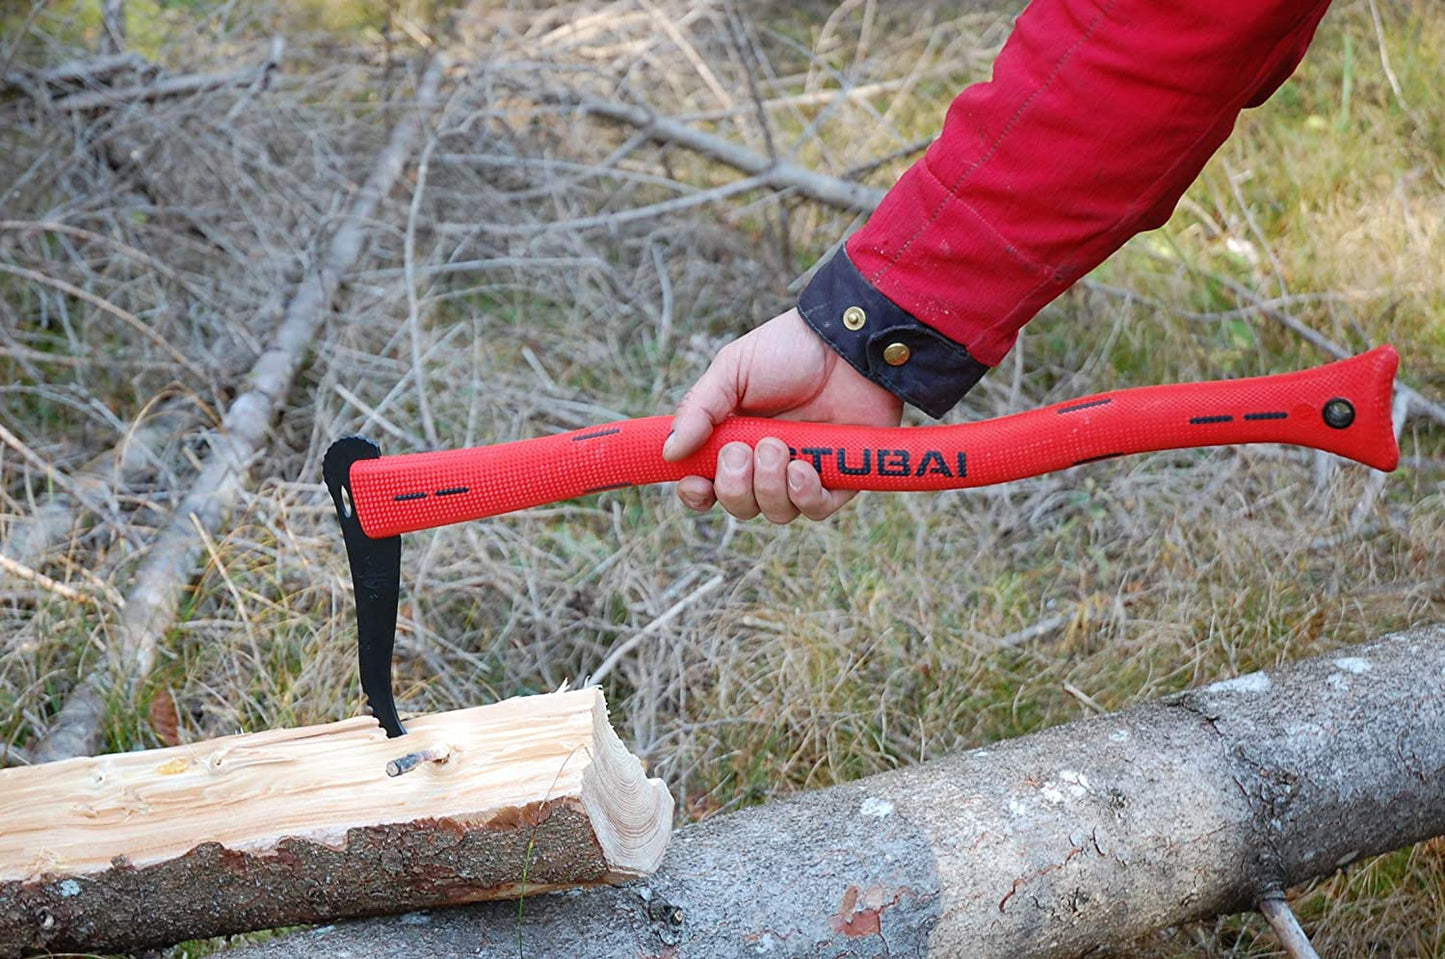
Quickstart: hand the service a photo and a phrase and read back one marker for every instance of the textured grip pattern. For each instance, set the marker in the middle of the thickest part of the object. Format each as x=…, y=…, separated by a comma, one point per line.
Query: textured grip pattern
x=399, y=494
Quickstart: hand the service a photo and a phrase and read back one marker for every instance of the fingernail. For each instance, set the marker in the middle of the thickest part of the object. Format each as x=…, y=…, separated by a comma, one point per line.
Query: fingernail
x=795, y=481
x=669, y=444
x=769, y=455
x=735, y=457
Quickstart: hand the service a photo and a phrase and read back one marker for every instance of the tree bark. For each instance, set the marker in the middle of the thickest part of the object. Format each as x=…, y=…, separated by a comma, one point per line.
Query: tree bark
x=306, y=825
x=1055, y=844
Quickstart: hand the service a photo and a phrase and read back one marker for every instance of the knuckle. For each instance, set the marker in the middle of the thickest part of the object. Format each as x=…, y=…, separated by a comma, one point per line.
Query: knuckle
x=695, y=499
x=739, y=503
x=816, y=509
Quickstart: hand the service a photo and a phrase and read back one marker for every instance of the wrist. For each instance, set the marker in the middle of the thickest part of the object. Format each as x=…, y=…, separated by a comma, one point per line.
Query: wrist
x=885, y=343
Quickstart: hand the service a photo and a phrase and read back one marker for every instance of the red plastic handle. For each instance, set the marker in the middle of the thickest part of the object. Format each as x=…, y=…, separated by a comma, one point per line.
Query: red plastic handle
x=1342, y=407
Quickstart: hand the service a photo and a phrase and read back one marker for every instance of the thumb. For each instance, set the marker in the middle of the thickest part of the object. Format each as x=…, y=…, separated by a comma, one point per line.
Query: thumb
x=711, y=400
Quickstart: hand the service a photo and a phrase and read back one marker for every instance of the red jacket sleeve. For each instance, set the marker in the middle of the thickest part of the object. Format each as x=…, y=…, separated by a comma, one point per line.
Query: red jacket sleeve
x=1099, y=115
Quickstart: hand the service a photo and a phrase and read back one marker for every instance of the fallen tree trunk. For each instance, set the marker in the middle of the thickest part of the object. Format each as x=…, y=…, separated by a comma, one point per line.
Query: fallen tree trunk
x=305, y=825
x=1070, y=840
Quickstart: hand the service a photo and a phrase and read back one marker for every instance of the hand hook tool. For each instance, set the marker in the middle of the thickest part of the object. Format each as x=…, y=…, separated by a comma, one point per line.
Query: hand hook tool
x=1343, y=408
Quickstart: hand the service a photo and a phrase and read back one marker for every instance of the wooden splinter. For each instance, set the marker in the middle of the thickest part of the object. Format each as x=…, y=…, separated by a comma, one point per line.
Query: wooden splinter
x=405, y=764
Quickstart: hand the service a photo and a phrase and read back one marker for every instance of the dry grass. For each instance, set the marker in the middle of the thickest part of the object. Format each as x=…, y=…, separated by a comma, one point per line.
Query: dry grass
x=827, y=652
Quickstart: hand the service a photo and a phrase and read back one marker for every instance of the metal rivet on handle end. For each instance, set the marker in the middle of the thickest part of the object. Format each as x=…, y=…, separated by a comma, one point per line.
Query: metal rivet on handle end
x=1339, y=413
x=854, y=318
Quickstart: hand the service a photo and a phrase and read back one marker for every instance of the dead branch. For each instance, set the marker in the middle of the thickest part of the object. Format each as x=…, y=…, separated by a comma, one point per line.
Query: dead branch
x=166, y=88
x=21, y=571
x=152, y=601
x=89, y=71
x=1281, y=919
x=1325, y=344
x=112, y=32
x=125, y=249
x=125, y=316
x=779, y=175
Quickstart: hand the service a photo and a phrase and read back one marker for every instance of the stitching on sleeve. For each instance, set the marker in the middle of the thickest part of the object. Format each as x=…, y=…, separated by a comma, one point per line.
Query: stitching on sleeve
x=997, y=143
x=1007, y=245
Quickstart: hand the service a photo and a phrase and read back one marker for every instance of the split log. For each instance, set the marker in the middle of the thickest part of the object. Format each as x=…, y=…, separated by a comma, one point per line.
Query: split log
x=1057, y=844
x=306, y=825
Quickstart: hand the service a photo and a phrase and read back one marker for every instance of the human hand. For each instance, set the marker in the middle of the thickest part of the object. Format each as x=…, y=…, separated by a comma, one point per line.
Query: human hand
x=780, y=369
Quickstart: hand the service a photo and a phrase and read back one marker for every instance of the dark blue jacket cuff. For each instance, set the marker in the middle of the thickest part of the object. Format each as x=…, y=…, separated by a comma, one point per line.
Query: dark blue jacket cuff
x=885, y=342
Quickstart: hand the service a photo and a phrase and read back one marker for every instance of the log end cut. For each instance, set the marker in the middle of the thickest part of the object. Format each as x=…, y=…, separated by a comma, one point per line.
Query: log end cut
x=313, y=824
x=630, y=814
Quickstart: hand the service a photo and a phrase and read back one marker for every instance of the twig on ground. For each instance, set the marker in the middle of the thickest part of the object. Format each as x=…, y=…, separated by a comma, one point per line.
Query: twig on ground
x=1233, y=179
x=51, y=473
x=91, y=70
x=808, y=99
x=1274, y=309
x=1417, y=402
x=413, y=303
x=689, y=52
x=35, y=7
x=902, y=153
x=21, y=571
x=125, y=316
x=779, y=176
x=263, y=78
x=373, y=415
x=481, y=266
x=1084, y=698
x=1389, y=70
x=1400, y=411
x=112, y=31
x=125, y=249
x=13, y=755
x=1282, y=920
x=616, y=219
x=616, y=655
x=164, y=89
x=1030, y=633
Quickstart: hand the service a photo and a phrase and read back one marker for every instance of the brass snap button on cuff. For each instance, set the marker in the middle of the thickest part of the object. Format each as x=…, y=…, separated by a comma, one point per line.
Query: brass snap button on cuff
x=854, y=318
x=896, y=354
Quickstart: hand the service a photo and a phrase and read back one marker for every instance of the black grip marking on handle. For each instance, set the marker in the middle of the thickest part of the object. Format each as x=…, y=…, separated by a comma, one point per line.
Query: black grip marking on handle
x=1084, y=406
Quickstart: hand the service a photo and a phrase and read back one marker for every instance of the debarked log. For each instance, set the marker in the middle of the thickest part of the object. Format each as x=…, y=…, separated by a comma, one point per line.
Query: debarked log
x=305, y=825
x=1055, y=844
